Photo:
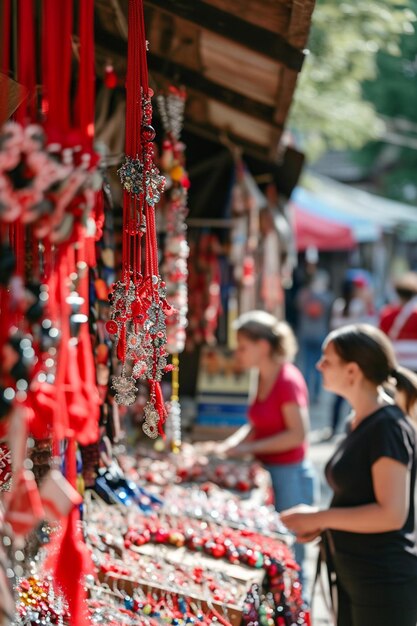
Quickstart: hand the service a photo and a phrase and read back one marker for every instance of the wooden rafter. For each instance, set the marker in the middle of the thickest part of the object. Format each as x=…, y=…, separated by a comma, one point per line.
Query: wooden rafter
x=232, y=27
x=193, y=80
x=197, y=82
x=212, y=133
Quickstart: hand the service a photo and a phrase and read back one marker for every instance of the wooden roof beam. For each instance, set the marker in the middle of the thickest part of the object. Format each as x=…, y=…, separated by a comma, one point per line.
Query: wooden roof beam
x=265, y=42
x=192, y=79
x=197, y=82
x=212, y=133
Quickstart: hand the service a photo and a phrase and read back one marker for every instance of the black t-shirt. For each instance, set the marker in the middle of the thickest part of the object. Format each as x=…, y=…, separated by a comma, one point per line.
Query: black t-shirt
x=389, y=556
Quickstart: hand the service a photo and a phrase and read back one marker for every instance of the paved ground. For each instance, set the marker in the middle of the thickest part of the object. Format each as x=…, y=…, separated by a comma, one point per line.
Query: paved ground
x=320, y=451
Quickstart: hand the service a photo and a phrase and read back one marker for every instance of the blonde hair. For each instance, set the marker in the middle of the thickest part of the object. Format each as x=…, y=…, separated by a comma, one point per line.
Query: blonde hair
x=256, y=325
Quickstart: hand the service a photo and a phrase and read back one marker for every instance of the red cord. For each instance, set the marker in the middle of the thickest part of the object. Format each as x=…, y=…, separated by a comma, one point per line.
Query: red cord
x=26, y=71
x=86, y=84
x=5, y=54
x=56, y=66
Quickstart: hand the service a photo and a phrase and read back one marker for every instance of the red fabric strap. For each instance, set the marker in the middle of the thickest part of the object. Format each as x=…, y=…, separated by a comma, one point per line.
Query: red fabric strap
x=6, y=32
x=26, y=69
x=5, y=21
x=56, y=66
x=86, y=82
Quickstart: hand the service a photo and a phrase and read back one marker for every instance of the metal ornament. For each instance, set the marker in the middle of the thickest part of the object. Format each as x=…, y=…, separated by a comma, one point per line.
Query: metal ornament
x=131, y=175
x=150, y=425
x=138, y=301
x=154, y=185
x=125, y=387
x=134, y=181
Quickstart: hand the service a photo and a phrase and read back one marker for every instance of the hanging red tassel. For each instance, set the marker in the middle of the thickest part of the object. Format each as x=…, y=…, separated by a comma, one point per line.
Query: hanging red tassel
x=99, y=216
x=70, y=570
x=139, y=307
x=86, y=82
x=86, y=365
x=160, y=407
x=5, y=31
x=26, y=72
x=68, y=558
x=56, y=66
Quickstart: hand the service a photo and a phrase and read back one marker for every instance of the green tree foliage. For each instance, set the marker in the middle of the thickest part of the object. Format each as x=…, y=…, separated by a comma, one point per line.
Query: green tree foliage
x=392, y=163
x=329, y=108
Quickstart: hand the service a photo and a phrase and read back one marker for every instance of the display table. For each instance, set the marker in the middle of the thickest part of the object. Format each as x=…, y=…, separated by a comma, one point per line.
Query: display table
x=179, y=553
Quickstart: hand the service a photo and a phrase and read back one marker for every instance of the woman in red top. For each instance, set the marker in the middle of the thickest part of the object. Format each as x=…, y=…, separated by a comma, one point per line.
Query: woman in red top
x=278, y=416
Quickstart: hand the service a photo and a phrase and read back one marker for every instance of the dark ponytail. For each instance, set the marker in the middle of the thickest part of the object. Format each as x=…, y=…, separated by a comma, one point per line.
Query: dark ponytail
x=406, y=382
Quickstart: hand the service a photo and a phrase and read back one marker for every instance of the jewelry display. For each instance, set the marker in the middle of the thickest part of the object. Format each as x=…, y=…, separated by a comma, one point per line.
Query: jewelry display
x=92, y=532
x=139, y=307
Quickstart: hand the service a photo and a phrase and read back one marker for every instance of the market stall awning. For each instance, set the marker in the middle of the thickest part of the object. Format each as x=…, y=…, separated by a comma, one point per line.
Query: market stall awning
x=320, y=233
x=239, y=61
x=364, y=229
x=387, y=215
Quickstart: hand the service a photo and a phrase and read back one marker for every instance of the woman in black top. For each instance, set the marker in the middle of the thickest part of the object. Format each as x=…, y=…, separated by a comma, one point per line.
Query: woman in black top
x=371, y=522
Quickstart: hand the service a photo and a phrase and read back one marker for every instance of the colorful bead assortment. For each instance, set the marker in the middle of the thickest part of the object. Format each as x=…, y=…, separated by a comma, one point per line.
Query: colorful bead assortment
x=38, y=603
x=190, y=468
x=209, y=503
x=236, y=546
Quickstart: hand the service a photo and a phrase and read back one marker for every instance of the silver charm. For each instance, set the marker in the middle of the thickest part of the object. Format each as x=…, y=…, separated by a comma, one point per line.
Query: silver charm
x=150, y=425
x=125, y=388
x=154, y=185
x=131, y=175
x=135, y=181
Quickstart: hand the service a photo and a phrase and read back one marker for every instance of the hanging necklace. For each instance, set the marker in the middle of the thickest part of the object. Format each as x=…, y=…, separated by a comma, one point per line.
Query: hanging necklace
x=138, y=301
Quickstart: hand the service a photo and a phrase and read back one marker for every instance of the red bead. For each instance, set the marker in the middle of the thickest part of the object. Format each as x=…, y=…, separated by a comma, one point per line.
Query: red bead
x=272, y=570
x=233, y=556
x=218, y=551
x=112, y=327
x=110, y=77
x=161, y=536
x=253, y=558
x=148, y=133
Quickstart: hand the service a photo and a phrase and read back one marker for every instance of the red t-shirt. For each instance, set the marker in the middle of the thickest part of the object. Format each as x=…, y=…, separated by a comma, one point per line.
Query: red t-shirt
x=387, y=317
x=266, y=416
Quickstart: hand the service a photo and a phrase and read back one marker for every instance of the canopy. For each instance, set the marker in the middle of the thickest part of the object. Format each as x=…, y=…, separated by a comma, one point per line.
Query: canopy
x=363, y=228
x=387, y=215
x=321, y=233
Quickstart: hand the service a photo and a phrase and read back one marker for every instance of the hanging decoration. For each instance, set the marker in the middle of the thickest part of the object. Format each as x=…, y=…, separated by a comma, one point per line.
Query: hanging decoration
x=50, y=188
x=171, y=106
x=138, y=301
x=245, y=203
x=204, y=283
x=53, y=190
x=176, y=250
x=173, y=427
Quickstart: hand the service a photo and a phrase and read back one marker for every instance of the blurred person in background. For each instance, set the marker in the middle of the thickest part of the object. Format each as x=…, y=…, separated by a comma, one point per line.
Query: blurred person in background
x=399, y=321
x=356, y=305
x=314, y=306
x=370, y=529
